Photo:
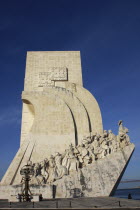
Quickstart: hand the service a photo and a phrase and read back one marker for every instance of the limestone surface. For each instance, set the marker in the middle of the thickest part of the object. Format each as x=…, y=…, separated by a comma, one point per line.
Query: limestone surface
x=62, y=137
x=57, y=110
x=97, y=179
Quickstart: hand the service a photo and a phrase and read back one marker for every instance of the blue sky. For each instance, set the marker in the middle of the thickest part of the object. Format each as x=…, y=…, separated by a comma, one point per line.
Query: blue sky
x=107, y=32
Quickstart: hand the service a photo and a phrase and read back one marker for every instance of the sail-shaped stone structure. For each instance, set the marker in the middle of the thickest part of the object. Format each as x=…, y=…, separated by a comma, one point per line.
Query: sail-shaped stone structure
x=62, y=135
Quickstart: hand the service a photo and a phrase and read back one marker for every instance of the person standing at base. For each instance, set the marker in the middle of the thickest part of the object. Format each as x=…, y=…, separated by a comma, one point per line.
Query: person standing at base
x=19, y=197
x=129, y=196
x=40, y=197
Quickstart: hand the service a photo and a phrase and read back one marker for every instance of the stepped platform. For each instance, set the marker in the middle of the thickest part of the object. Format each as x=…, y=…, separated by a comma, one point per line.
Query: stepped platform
x=75, y=203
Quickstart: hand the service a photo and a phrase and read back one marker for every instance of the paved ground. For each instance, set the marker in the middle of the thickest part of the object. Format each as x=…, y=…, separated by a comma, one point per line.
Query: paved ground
x=81, y=203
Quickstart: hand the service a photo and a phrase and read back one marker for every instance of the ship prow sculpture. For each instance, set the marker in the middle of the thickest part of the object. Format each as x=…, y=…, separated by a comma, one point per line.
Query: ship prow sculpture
x=62, y=138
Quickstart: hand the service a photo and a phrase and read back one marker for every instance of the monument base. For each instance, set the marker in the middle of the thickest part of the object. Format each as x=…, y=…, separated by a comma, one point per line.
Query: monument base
x=100, y=178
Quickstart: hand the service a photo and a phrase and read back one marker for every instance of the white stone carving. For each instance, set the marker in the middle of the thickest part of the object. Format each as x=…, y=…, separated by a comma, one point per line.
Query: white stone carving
x=53, y=74
x=123, y=137
x=57, y=112
x=90, y=150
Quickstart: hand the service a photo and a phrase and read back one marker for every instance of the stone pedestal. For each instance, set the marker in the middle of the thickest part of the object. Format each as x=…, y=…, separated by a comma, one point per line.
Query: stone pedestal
x=98, y=179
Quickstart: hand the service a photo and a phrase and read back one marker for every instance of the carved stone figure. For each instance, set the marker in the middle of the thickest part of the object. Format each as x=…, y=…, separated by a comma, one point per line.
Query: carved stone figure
x=105, y=134
x=104, y=146
x=51, y=170
x=85, y=140
x=122, y=135
x=83, y=155
x=111, y=135
x=96, y=141
x=37, y=169
x=60, y=169
x=99, y=153
x=92, y=149
x=114, y=144
x=70, y=161
x=44, y=169
x=91, y=154
x=37, y=173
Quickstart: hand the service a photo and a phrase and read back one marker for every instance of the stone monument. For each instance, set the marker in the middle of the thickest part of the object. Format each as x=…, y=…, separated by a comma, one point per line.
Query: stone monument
x=62, y=136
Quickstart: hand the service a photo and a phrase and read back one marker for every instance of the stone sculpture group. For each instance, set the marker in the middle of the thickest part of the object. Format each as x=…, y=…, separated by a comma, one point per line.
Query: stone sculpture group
x=62, y=138
x=92, y=149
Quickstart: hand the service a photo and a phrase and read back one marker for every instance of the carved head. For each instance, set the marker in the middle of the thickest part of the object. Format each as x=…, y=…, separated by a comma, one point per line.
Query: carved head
x=51, y=157
x=29, y=162
x=57, y=154
x=71, y=147
x=45, y=160
x=126, y=130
